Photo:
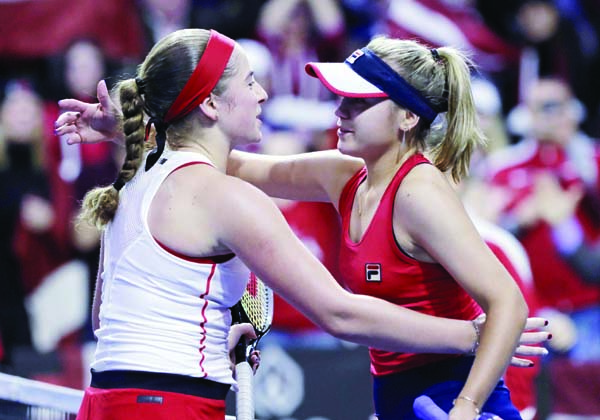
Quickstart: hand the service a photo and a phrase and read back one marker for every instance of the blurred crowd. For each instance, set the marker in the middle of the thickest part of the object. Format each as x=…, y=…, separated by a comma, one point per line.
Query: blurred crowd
x=534, y=191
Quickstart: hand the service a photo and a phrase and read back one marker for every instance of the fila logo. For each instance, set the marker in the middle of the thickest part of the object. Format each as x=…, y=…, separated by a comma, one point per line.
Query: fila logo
x=356, y=54
x=373, y=271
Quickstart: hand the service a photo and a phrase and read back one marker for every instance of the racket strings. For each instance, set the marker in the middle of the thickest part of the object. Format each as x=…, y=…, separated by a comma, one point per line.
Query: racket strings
x=258, y=307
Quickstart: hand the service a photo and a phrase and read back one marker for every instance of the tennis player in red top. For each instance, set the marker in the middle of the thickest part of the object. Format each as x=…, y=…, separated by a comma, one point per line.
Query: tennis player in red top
x=406, y=123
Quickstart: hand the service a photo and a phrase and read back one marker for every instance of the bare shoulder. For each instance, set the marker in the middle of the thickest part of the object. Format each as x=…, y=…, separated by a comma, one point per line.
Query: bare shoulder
x=237, y=202
x=424, y=181
x=425, y=193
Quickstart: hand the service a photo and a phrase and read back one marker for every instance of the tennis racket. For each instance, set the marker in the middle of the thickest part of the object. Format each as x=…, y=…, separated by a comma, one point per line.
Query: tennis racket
x=426, y=409
x=256, y=308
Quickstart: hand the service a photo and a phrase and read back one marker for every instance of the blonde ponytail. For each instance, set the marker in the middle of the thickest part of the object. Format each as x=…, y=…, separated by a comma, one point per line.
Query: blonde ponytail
x=463, y=135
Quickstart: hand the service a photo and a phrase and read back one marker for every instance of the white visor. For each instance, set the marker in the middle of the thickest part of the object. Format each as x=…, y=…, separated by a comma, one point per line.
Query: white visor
x=342, y=80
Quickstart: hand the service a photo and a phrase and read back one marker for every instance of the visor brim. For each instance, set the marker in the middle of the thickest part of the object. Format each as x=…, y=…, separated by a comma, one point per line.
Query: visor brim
x=340, y=79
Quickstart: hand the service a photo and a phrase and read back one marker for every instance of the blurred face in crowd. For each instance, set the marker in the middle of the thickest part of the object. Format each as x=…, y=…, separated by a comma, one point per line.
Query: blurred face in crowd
x=553, y=111
x=84, y=67
x=21, y=114
x=538, y=20
x=170, y=10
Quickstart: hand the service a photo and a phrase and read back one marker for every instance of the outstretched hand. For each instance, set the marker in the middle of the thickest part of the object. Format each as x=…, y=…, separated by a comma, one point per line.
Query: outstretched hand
x=529, y=342
x=82, y=122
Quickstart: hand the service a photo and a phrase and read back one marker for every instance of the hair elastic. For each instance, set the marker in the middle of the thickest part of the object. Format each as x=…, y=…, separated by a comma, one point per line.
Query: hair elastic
x=119, y=184
x=141, y=85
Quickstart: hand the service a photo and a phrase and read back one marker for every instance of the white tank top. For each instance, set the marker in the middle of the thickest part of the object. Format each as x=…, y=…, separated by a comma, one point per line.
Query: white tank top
x=161, y=312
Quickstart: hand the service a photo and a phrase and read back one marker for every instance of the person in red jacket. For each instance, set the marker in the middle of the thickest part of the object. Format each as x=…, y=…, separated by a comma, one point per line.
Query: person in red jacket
x=554, y=158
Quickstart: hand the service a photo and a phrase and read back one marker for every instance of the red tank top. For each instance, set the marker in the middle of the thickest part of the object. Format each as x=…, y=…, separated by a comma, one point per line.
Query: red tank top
x=377, y=266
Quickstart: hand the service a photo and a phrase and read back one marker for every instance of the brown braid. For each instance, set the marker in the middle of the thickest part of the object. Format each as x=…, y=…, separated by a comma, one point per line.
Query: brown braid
x=162, y=75
x=100, y=204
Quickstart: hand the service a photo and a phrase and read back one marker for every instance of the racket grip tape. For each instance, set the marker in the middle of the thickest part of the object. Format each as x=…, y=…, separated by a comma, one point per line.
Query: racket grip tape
x=244, y=397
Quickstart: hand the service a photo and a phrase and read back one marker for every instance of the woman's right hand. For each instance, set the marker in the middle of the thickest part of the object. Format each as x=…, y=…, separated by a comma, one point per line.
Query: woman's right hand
x=82, y=122
x=530, y=341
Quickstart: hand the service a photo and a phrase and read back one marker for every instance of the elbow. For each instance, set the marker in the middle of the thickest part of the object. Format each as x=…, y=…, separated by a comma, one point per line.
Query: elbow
x=337, y=325
x=519, y=306
x=337, y=321
x=510, y=301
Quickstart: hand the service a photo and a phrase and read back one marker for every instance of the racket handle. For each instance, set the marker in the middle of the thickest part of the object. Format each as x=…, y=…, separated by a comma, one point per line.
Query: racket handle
x=426, y=409
x=244, y=399
x=241, y=349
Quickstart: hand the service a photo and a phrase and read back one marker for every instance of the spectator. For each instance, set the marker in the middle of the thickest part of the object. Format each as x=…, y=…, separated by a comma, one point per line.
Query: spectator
x=72, y=171
x=26, y=245
x=556, y=155
x=555, y=38
x=161, y=17
x=238, y=18
x=484, y=202
x=298, y=31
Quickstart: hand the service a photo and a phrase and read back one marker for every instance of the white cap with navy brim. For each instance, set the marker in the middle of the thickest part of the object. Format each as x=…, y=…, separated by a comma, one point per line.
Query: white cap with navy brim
x=340, y=79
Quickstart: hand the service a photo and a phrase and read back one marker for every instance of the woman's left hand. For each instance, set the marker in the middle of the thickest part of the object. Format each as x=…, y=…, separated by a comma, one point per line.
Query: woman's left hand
x=236, y=332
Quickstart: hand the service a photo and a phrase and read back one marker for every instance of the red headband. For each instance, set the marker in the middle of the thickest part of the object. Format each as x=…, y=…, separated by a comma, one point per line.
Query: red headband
x=204, y=78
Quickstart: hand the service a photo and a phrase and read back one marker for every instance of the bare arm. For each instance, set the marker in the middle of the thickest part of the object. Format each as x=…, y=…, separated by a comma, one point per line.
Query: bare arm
x=292, y=271
x=433, y=216
x=316, y=176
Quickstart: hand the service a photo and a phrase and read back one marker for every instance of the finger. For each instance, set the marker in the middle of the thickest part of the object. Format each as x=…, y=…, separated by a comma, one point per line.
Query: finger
x=531, y=351
x=72, y=105
x=255, y=354
x=518, y=362
x=102, y=94
x=535, y=323
x=239, y=330
x=65, y=129
x=65, y=118
x=71, y=138
x=535, y=337
x=254, y=361
x=247, y=330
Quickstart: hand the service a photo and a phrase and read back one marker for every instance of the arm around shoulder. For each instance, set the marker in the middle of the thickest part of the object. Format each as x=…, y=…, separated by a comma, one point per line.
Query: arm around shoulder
x=252, y=227
x=315, y=176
